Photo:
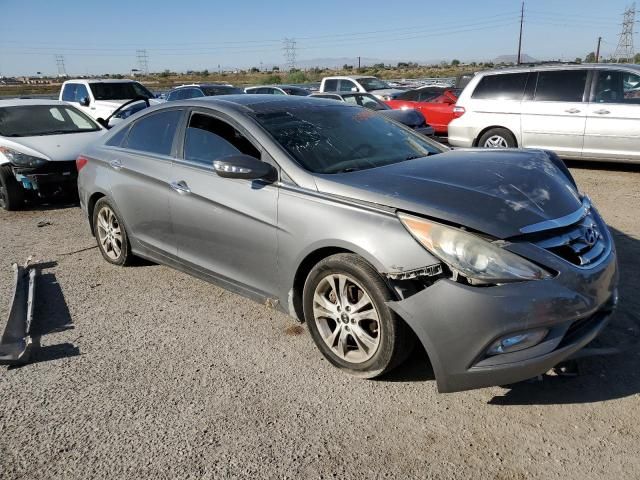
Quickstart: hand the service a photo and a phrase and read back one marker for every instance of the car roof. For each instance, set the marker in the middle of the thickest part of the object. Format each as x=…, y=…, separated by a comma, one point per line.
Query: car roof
x=341, y=94
x=205, y=85
x=100, y=80
x=276, y=86
x=19, y=102
x=349, y=77
x=252, y=102
x=559, y=66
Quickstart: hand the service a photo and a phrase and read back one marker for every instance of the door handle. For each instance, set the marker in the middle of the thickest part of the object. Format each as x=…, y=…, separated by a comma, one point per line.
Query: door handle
x=115, y=164
x=572, y=110
x=602, y=112
x=180, y=187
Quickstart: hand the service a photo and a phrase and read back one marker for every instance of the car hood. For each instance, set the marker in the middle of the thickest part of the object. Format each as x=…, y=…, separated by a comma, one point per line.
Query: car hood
x=53, y=147
x=492, y=191
x=409, y=117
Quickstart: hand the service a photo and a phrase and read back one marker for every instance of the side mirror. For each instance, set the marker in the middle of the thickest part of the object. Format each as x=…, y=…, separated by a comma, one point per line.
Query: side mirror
x=103, y=122
x=84, y=101
x=243, y=166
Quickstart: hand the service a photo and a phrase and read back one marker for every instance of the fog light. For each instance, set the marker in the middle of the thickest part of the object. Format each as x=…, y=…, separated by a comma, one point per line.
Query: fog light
x=517, y=341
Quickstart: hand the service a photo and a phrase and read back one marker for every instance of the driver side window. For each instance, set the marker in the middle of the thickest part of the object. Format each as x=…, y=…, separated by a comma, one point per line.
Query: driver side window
x=347, y=86
x=208, y=138
x=617, y=86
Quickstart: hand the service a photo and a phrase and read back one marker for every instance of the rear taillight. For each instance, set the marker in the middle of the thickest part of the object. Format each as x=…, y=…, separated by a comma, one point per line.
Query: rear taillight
x=81, y=162
x=458, y=111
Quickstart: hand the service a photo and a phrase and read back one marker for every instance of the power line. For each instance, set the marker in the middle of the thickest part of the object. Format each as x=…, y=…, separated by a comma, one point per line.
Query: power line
x=624, y=50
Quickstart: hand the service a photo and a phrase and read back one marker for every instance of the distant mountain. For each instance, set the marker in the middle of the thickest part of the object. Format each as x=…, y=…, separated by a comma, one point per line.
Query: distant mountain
x=524, y=58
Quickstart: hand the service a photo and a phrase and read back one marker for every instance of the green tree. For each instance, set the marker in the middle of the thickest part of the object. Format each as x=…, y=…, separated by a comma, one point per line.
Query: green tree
x=455, y=62
x=590, y=58
x=578, y=60
x=165, y=73
x=205, y=73
x=347, y=67
x=636, y=58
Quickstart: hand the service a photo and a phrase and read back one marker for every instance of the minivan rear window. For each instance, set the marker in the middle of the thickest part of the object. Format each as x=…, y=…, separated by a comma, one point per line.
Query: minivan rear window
x=561, y=86
x=502, y=86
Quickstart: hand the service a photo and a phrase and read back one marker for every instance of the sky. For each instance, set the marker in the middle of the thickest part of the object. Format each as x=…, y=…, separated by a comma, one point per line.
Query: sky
x=103, y=36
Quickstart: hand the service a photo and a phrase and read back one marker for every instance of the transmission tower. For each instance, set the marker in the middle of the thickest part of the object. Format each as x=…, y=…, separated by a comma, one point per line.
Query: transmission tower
x=62, y=71
x=143, y=61
x=624, y=50
x=289, y=47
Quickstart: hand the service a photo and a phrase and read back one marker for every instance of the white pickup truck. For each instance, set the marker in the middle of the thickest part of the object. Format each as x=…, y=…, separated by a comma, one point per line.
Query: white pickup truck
x=359, y=83
x=100, y=98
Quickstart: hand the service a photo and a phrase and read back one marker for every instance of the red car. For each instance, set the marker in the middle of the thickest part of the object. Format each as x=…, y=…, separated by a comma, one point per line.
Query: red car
x=435, y=103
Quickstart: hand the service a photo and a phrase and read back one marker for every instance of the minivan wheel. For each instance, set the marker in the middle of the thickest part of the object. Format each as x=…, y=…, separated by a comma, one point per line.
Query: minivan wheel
x=497, y=138
x=110, y=234
x=11, y=192
x=344, y=306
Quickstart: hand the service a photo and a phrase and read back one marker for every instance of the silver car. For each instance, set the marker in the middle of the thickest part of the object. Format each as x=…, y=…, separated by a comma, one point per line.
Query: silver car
x=374, y=235
x=588, y=111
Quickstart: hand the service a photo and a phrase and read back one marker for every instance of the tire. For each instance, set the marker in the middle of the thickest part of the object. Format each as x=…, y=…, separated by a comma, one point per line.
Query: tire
x=497, y=138
x=111, y=234
x=11, y=192
x=362, y=336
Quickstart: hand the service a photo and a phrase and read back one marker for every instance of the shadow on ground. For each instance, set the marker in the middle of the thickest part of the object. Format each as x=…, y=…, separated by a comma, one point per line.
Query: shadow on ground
x=51, y=315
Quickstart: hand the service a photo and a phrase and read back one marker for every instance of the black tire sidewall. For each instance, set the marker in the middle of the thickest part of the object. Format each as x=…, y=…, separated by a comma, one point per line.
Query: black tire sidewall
x=502, y=132
x=14, y=194
x=125, y=255
x=369, y=279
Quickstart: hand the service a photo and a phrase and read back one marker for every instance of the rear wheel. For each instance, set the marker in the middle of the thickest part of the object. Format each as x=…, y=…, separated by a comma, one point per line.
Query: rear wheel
x=344, y=305
x=497, y=138
x=110, y=234
x=11, y=193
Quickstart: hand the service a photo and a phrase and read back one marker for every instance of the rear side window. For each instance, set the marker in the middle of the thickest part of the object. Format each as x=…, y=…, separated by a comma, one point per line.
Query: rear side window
x=561, y=86
x=154, y=133
x=117, y=139
x=504, y=86
x=347, y=86
x=330, y=85
x=69, y=92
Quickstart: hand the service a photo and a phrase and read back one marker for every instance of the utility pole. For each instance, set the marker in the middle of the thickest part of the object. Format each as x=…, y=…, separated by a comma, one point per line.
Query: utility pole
x=520, y=37
x=598, y=49
x=358, y=63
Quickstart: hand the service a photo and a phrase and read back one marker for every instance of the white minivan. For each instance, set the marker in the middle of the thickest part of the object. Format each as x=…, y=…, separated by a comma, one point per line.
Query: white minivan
x=588, y=111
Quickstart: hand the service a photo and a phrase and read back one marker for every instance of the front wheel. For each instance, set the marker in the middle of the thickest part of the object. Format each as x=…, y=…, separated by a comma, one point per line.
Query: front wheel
x=349, y=321
x=111, y=235
x=497, y=138
x=11, y=192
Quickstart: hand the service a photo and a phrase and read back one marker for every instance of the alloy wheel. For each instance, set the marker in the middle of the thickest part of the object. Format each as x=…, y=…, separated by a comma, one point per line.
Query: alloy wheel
x=496, y=141
x=347, y=318
x=109, y=233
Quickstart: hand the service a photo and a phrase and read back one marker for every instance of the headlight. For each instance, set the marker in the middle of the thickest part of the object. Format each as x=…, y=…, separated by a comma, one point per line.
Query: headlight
x=470, y=255
x=22, y=159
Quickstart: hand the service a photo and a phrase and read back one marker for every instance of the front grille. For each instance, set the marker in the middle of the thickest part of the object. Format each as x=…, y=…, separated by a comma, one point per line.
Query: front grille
x=583, y=243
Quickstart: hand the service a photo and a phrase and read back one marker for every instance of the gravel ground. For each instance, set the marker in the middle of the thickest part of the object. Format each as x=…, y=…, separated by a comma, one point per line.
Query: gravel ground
x=145, y=372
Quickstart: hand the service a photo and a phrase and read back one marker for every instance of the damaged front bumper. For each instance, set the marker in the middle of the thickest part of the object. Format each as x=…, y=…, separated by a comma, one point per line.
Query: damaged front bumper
x=457, y=323
x=16, y=343
x=48, y=179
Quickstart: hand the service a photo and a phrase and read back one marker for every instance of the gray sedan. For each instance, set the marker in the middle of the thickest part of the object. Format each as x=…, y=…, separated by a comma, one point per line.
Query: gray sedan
x=376, y=236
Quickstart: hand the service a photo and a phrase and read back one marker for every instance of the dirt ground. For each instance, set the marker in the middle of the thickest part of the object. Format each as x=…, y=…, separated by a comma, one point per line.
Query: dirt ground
x=145, y=372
